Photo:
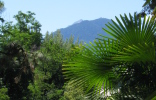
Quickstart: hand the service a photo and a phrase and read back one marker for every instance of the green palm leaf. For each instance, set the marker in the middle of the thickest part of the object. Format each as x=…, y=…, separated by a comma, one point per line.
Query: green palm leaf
x=110, y=61
x=92, y=66
x=136, y=40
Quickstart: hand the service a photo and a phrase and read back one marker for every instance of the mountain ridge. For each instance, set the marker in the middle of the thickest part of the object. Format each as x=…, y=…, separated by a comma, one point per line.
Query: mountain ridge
x=85, y=30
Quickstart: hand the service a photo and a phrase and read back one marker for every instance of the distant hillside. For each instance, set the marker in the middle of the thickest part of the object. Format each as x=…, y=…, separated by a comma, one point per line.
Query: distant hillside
x=85, y=30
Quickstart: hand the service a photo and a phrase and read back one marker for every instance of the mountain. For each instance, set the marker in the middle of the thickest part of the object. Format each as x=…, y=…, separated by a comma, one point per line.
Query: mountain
x=85, y=30
x=79, y=21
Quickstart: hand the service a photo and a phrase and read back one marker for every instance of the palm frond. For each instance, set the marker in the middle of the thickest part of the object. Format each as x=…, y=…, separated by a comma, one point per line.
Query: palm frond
x=92, y=66
x=109, y=61
x=135, y=39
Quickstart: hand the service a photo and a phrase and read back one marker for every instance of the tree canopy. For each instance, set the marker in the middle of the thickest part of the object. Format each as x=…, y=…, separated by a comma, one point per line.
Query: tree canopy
x=120, y=67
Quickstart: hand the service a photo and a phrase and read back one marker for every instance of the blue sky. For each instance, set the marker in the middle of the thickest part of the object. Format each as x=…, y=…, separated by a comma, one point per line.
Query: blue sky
x=55, y=14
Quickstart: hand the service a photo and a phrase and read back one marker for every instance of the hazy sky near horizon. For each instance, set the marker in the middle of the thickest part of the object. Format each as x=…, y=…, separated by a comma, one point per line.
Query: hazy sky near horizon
x=55, y=14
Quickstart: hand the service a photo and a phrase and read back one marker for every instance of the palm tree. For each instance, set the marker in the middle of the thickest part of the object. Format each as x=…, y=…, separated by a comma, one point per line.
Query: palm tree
x=124, y=65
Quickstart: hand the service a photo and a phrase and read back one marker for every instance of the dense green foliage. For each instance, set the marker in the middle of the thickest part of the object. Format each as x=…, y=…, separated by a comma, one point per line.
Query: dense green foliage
x=73, y=93
x=33, y=67
x=48, y=71
x=16, y=70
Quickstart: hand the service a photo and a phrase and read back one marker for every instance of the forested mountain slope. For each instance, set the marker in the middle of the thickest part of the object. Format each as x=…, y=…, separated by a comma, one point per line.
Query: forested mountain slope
x=85, y=30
